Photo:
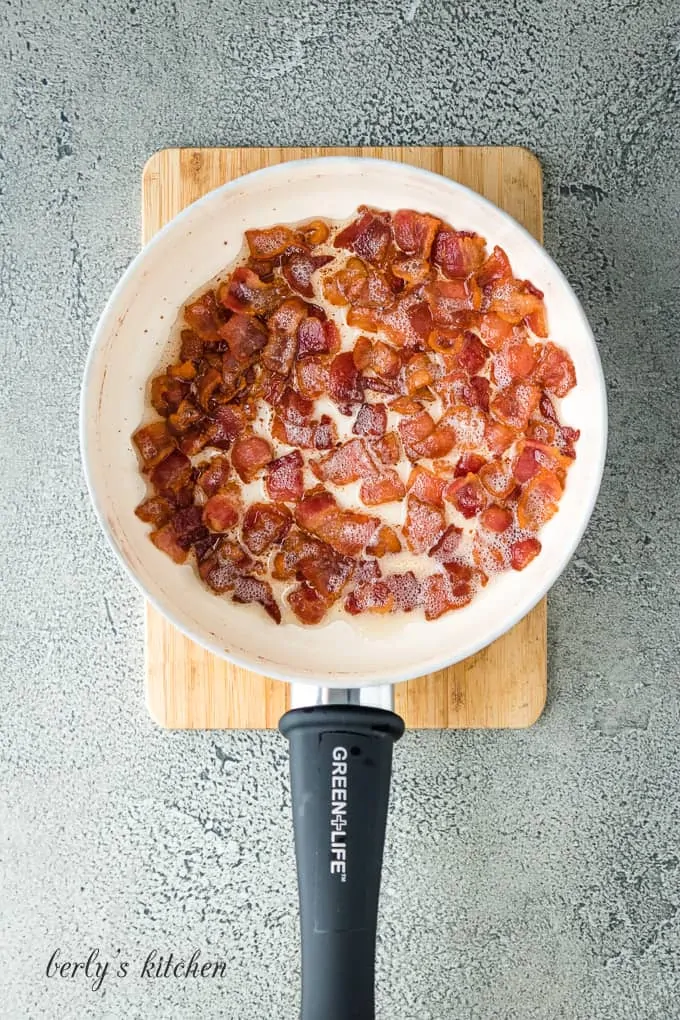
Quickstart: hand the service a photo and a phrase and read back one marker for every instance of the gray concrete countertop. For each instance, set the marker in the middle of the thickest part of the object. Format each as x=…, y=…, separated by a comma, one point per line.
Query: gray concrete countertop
x=528, y=876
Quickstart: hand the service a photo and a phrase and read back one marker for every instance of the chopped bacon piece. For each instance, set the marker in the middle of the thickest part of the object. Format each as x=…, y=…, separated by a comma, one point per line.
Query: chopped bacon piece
x=468, y=463
x=348, y=463
x=414, y=232
x=497, y=478
x=184, y=370
x=154, y=442
x=419, y=371
x=496, y=518
x=317, y=337
x=477, y=392
x=314, y=232
x=494, y=331
x=299, y=269
x=214, y=476
x=411, y=270
x=458, y=253
x=439, y=596
x=539, y=499
x=405, y=405
x=279, y=354
x=362, y=354
x=387, y=449
x=428, y=487
x=165, y=539
x=284, y=478
x=296, y=547
x=249, y=455
x=512, y=299
x=385, y=541
x=230, y=423
x=385, y=361
x=326, y=571
x=311, y=375
x=348, y=532
x=251, y=589
x=526, y=464
x=368, y=236
x=467, y=495
x=496, y=267
x=523, y=552
x=421, y=438
x=371, y=421
x=167, y=394
x=344, y=382
x=515, y=404
x=516, y=360
x=195, y=440
x=269, y=243
x=292, y=422
x=307, y=604
x=325, y=434
x=171, y=474
x=157, y=511
x=468, y=424
x=221, y=512
x=370, y=597
x=188, y=526
x=192, y=346
x=264, y=525
x=386, y=488
x=498, y=437
x=471, y=354
x=556, y=370
x=185, y=417
x=447, y=547
x=207, y=384
x=245, y=337
x=205, y=317
x=245, y=292
x=424, y=524
x=447, y=298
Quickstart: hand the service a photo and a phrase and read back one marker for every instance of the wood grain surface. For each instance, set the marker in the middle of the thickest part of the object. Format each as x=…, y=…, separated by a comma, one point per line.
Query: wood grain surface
x=503, y=686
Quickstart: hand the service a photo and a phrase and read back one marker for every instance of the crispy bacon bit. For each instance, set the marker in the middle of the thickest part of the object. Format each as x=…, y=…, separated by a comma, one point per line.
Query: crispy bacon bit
x=154, y=442
x=221, y=512
x=385, y=541
x=265, y=525
x=515, y=404
x=467, y=495
x=427, y=486
x=496, y=518
x=371, y=421
x=344, y=382
x=269, y=243
x=424, y=524
x=156, y=511
x=446, y=549
x=165, y=539
x=205, y=317
x=307, y=604
x=556, y=370
x=311, y=375
x=244, y=291
x=346, y=531
x=284, y=478
x=497, y=478
x=458, y=253
x=245, y=337
x=171, y=474
x=539, y=500
x=251, y=589
x=214, y=475
x=496, y=267
x=299, y=269
x=450, y=327
x=522, y=553
x=348, y=463
x=386, y=488
x=249, y=455
x=368, y=236
x=414, y=232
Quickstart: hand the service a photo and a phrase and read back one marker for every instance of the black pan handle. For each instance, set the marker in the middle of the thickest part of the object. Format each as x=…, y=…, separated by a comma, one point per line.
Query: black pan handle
x=340, y=765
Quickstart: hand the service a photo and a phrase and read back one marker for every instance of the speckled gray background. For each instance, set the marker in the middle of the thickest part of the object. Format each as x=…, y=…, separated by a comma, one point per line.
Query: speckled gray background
x=532, y=875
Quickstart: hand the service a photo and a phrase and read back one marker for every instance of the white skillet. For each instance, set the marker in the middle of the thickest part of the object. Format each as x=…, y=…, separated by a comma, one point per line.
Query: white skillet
x=126, y=350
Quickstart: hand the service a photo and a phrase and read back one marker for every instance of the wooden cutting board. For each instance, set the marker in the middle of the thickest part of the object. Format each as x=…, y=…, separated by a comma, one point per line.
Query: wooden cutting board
x=502, y=686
